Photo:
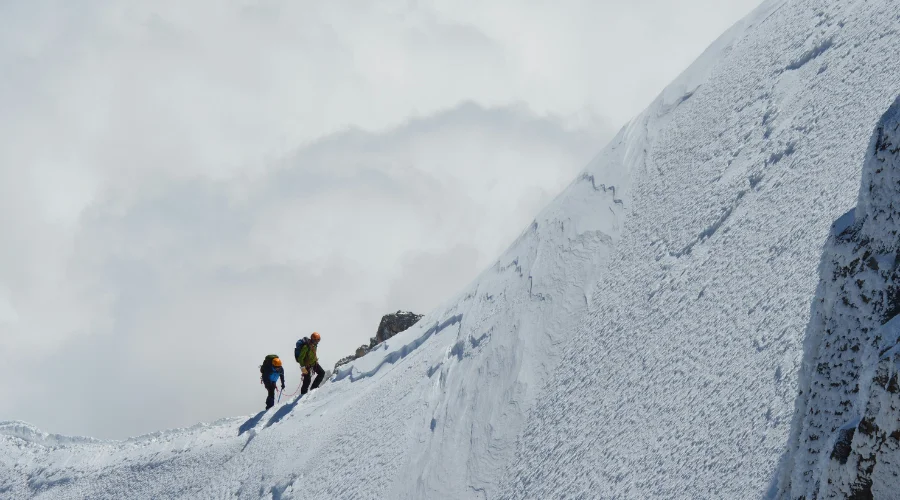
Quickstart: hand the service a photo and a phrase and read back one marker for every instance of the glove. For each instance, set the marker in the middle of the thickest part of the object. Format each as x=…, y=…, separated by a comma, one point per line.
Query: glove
x=305, y=370
x=282, y=387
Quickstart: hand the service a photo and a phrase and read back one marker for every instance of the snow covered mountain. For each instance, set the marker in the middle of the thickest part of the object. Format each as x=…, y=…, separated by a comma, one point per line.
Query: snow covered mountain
x=646, y=337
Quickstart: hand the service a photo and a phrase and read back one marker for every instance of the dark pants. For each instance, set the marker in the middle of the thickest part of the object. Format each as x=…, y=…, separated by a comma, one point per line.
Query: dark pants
x=270, y=401
x=320, y=374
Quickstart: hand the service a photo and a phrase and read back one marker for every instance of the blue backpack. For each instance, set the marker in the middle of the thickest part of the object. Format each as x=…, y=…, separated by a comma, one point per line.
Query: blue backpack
x=267, y=370
x=300, y=343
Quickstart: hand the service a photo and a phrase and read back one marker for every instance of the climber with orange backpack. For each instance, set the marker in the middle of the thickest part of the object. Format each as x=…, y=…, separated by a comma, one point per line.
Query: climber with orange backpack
x=305, y=354
x=270, y=371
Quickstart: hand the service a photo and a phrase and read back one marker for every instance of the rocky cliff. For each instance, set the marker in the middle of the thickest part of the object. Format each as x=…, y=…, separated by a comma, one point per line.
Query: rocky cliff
x=845, y=439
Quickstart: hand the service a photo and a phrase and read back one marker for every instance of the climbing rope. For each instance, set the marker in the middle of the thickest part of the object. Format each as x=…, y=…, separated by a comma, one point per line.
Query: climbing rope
x=293, y=393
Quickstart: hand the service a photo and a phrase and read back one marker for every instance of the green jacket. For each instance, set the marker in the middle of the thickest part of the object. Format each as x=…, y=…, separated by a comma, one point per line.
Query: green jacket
x=308, y=356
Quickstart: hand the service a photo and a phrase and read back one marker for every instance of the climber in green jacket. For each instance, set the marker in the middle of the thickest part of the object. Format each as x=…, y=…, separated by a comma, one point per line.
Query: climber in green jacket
x=305, y=353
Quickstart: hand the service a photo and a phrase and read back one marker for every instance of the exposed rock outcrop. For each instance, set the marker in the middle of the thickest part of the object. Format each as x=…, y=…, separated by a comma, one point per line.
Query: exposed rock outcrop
x=845, y=440
x=391, y=324
x=343, y=361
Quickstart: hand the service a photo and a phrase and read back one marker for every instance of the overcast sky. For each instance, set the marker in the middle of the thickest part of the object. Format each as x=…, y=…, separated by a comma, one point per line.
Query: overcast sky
x=187, y=186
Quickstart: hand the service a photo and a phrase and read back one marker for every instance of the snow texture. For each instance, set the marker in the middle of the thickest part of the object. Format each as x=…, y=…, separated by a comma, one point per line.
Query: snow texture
x=642, y=338
x=846, y=437
x=681, y=382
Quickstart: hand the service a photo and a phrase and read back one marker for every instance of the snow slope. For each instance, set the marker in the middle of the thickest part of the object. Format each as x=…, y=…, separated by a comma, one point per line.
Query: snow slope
x=682, y=380
x=641, y=339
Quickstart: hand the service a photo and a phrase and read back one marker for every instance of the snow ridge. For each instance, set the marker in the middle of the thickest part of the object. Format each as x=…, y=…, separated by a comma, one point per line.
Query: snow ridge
x=32, y=434
x=641, y=341
x=395, y=355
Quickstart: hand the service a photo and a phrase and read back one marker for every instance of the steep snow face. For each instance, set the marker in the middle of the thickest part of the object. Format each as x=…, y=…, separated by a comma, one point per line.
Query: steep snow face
x=681, y=382
x=640, y=339
x=846, y=437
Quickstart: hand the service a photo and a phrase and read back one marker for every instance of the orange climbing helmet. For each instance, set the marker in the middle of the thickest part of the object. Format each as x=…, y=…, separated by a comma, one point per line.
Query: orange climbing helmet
x=315, y=337
x=276, y=362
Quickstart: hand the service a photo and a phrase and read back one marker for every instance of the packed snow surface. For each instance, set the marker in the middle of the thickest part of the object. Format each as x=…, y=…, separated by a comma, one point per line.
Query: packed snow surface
x=641, y=339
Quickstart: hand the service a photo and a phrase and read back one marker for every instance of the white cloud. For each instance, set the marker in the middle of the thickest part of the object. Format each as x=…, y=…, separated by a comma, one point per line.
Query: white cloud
x=186, y=186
